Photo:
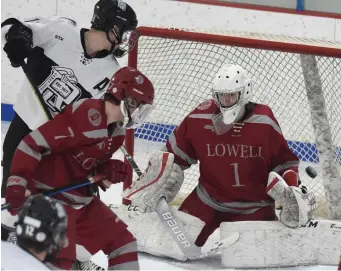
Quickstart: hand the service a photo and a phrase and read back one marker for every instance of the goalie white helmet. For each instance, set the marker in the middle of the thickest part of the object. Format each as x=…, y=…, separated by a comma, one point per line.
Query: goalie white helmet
x=232, y=89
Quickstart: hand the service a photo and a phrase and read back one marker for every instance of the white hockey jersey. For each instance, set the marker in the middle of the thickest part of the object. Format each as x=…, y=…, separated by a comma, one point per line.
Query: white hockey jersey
x=63, y=72
x=15, y=258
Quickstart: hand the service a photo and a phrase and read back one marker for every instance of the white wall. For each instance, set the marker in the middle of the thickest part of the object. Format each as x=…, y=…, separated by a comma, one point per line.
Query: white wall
x=167, y=13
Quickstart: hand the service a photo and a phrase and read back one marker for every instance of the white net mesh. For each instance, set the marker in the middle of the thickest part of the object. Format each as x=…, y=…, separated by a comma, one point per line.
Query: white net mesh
x=182, y=72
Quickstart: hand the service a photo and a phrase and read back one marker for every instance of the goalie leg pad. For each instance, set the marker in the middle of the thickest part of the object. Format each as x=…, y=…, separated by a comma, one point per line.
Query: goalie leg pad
x=265, y=244
x=162, y=178
x=152, y=235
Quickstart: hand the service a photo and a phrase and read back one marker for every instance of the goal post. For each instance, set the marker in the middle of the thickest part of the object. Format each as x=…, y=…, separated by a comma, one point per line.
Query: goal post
x=323, y=136
x=305, y=97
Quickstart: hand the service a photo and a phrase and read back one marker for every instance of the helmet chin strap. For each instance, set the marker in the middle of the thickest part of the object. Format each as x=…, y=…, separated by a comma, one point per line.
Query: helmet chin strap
x=104, y=53
x=113, y=44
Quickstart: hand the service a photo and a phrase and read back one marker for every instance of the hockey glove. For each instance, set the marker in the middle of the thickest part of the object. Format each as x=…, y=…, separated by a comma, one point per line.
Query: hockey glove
x=15, y=193
x=115, y=170
x=19, y=43
x=292, y=179
x=297, y=207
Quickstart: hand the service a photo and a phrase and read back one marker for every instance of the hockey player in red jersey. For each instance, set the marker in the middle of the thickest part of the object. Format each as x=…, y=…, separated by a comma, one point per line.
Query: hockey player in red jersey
x=77, y=143
x=238, y=143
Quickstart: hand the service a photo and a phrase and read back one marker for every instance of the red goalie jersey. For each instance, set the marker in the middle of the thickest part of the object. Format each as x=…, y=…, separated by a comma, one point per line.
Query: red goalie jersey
x=234, y=166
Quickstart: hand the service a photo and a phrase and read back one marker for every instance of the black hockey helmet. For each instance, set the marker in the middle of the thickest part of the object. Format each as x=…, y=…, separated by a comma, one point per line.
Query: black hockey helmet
x=117, y=17
x=43, y=221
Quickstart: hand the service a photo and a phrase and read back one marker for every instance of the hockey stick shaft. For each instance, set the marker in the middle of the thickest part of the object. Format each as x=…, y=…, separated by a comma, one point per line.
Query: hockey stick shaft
x=55, y=191
x=131, y=161
x=169, y=219
x=36, y=91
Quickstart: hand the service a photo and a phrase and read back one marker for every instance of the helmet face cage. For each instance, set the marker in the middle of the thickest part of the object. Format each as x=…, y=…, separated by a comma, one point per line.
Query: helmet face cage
x=128, y=43
x=44, y=221
x=135, y=117
x=227, y=100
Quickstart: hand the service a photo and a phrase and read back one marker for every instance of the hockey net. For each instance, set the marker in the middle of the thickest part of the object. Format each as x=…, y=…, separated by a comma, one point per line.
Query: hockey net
x=182, y=63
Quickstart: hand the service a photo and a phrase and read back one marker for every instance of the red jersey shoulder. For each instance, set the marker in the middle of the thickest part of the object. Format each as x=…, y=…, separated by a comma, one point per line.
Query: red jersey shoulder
x=207, y=106
x=265, y=110
x=89, y=113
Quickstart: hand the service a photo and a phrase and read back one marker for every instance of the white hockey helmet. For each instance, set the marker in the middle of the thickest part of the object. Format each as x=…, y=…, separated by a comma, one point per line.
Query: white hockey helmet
x=232, y=89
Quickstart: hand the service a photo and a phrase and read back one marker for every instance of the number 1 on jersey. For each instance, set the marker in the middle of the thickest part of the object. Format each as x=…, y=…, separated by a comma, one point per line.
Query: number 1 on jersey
x=236, y=175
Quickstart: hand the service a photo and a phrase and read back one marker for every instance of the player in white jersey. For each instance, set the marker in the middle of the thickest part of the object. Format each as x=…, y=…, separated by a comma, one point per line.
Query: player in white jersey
x=67, y=63
x=41, y=232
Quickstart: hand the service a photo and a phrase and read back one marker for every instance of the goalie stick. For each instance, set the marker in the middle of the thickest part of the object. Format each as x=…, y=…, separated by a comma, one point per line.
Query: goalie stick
x=207, y=250
x=169, y=219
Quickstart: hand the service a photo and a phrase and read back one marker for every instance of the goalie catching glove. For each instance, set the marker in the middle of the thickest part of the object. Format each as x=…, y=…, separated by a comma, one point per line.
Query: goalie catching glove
x=162, y=178
x=297, y=206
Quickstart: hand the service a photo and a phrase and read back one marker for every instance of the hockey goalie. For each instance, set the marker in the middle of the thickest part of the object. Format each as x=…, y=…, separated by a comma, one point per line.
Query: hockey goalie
x=245, y=167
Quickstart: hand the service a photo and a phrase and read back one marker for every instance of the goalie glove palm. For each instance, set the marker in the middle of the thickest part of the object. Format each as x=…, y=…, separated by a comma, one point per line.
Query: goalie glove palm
x=297, y=206
x=162, y=178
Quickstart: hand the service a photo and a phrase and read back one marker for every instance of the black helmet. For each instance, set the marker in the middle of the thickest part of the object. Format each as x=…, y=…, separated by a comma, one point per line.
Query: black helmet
x=43, y=221
x=110, y=13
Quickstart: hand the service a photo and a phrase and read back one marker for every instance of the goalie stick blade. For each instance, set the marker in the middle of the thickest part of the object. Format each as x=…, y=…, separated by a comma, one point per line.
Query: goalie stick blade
x=221, y=245
x=176, y=229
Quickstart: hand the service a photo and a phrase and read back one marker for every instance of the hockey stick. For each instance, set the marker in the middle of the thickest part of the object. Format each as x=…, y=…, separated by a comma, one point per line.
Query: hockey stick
x=206, y=251
x=36, y=91
x=169, y=219
x=52, y=192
